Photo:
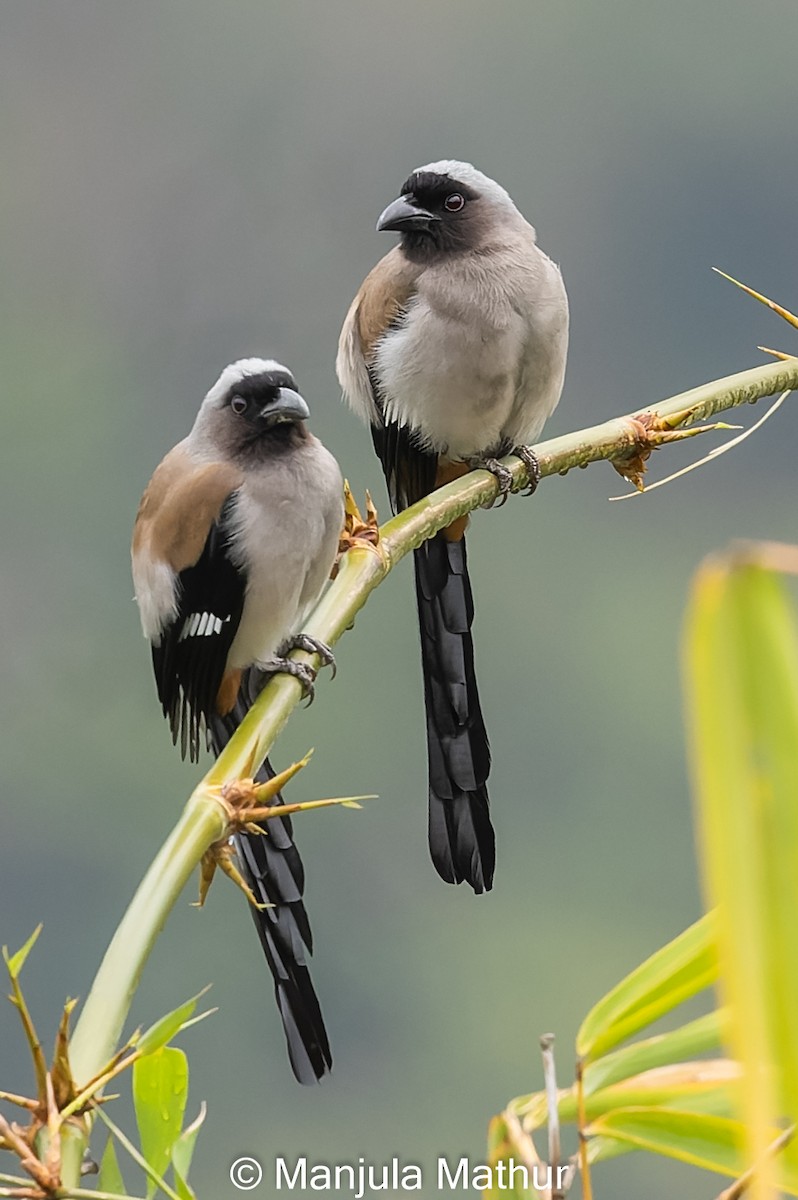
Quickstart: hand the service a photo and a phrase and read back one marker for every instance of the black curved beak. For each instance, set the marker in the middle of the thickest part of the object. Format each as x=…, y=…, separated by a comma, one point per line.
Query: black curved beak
x=403, y=215
x=287, y=406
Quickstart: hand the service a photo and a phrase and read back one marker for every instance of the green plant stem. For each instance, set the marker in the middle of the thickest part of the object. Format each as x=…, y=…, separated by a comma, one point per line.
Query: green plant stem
x=86, y=1194
x=202, y=822
x=362, y=569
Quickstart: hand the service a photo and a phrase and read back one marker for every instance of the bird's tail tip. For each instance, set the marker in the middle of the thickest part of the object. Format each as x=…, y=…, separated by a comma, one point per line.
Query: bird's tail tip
x=461, y=839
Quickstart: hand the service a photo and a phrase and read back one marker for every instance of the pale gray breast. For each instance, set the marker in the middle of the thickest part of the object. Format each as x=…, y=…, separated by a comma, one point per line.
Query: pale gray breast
x=286, y=525
x=476, y=349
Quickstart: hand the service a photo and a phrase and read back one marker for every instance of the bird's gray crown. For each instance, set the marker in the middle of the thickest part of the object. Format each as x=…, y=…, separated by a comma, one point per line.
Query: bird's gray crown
x=469, y=177
x=271, y=372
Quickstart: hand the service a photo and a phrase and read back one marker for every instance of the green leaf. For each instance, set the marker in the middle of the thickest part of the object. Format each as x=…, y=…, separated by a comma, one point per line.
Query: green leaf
x=692, y=1087
x=678, y=971
x=182, y=1153
x=168, y=1026
x=183, y=1188
x=703, y=1036
x=160, y=1090
x=136, y=1155
x=714, y=1143
x=110, y=1177
x=600, y=1148
x=742, y=684
x=702, y=1086
x=15, y=962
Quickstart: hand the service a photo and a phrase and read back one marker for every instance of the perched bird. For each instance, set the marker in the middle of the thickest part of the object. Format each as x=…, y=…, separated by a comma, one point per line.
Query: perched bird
x=234, y=540
x=454, y=352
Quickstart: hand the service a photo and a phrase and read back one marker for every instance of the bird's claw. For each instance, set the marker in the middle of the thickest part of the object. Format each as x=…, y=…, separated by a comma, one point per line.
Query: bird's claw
x=311, y=645
x=503, y=476
x=299, y=670
x=530, y=461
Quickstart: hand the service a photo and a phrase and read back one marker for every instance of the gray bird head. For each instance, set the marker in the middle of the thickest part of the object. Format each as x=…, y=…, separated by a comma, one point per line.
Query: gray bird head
x=254, y=406
x=448, y=207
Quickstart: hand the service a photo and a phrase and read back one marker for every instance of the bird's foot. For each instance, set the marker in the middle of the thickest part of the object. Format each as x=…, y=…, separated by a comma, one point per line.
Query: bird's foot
x=503, y=475
x=530, y=461
x=299, y=670
x=358, y=531
x=311, y=645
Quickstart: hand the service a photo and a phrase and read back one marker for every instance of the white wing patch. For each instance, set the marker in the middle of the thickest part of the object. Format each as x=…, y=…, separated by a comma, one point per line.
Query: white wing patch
x=202, y=624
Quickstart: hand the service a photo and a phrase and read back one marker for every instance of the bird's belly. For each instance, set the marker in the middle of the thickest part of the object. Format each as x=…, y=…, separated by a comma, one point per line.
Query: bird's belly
x=453, y=385
x=288, y=556
x=269, y=616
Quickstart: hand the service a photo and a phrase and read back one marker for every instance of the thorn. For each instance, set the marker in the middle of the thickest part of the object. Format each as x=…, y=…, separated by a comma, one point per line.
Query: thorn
x=776, y=353
x=357, y=532
x=232, y=872
x=220, y=855
x=249, y=815
x=241, y=792
x=711, y=456
x=789, y=317
x=246, y=802
x=207, y=873
x=20, y=1101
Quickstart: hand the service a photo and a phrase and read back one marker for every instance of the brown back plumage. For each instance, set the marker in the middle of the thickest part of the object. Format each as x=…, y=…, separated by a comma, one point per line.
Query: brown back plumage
x=179, y=506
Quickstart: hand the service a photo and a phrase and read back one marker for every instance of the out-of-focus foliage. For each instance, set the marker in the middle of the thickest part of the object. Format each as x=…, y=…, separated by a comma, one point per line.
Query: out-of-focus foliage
x=160, y=1093
x=725, y=1115
x=36, y=1146
x=742, y=672
x=189, y=182
x=650, y=1084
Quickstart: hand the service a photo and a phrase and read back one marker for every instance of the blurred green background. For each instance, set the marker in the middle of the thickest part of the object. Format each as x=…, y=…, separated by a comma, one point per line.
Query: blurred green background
x=189, y=182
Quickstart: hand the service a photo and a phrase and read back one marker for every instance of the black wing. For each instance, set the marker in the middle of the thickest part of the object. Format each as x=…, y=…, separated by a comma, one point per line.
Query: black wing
x=190, y=660
x=409, y=469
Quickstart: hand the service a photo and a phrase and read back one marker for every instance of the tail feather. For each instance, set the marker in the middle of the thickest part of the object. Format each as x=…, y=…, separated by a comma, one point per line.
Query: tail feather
x=462, y=841
x=461, y=838
x=272, y=867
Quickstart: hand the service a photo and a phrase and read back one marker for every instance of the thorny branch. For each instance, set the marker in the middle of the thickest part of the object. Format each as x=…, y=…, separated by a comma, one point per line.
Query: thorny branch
x=626, y=441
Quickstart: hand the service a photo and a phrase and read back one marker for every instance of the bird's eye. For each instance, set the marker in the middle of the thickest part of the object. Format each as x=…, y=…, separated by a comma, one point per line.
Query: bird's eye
x=238, y=405
x=454, y=202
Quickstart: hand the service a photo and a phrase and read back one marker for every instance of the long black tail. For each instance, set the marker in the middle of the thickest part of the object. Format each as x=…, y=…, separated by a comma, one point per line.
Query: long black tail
x=461, y=837
x=271, y=865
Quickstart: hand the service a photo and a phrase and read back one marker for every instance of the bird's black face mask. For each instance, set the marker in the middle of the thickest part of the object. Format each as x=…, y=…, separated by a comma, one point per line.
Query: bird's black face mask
x=435, y=214
x=267, y=413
